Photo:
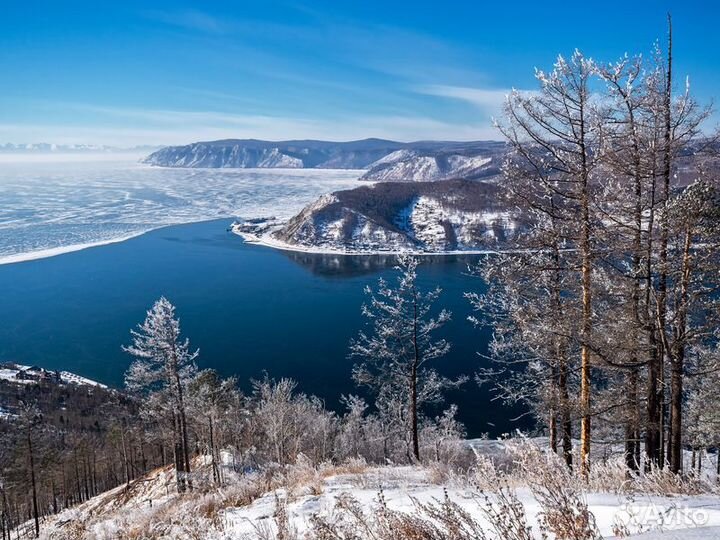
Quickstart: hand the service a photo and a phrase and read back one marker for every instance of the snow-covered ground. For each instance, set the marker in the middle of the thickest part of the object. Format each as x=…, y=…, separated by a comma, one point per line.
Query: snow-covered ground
x=53, y=205
x=404, y=487
x=152, y=503
x=21, y=374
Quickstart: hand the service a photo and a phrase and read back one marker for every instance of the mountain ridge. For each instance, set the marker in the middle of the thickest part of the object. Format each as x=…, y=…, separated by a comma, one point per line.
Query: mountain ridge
x=410, y=161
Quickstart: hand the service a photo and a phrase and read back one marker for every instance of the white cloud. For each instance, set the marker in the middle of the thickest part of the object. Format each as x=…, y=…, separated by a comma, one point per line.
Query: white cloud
x=190, y=19
x=482, y=98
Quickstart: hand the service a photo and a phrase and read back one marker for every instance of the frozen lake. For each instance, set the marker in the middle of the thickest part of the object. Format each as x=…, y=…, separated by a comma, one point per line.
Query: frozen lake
x=51, y=204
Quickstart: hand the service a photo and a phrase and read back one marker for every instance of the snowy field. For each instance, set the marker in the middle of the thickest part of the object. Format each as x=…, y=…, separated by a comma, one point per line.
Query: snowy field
x=55, y=204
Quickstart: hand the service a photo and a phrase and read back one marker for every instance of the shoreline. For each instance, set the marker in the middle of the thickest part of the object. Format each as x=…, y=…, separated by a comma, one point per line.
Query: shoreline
x=48, y=253
x=62, y=250
x=266, y=240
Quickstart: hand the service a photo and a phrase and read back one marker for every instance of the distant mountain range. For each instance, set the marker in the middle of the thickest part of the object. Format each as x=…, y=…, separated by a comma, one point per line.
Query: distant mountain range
x=48, y=148
x=384, y=160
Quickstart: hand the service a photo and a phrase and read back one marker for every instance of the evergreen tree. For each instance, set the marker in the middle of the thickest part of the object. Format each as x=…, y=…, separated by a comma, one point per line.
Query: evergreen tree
x=164, y=364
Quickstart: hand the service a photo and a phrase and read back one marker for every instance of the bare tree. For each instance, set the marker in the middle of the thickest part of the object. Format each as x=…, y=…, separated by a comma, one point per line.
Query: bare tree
x=396, y=352
x=553, y=135
x=212, y=401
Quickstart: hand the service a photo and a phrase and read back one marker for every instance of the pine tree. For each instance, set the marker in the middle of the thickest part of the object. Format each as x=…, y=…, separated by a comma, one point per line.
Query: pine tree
x=164, y=364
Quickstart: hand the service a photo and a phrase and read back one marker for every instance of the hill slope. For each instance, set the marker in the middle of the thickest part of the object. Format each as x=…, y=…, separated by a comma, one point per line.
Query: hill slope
x=440, y=216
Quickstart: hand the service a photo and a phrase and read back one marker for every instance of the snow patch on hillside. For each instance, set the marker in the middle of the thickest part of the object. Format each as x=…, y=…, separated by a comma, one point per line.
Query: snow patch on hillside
x=21, y=374
x=436, y=226
x=413, y=166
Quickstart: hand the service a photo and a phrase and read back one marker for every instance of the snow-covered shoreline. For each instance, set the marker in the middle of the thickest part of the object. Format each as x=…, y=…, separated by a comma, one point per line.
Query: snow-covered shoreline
x=23, y=374
x=62, y=250
x=266, y=239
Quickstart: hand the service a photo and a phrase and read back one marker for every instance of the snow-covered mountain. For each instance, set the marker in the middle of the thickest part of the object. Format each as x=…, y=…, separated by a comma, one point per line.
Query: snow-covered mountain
x=452, y=215
x=385, y=160
x=427, y=165
x=252, y=153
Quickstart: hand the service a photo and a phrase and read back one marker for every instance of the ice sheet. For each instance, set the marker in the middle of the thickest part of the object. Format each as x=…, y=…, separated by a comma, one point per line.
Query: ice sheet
x=49, y=207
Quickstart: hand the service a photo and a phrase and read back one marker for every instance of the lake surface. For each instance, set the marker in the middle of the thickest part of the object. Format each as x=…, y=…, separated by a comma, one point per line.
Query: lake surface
x=54, y=204
x=249, y=309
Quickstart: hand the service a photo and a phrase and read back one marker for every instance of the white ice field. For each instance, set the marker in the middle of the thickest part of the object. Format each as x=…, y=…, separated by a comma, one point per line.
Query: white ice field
x=54, y=204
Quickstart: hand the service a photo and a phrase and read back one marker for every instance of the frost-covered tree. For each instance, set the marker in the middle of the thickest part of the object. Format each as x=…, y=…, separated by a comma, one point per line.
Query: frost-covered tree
x=692, y=305
x=214, y=405
x=553, y=137
x=596, y=293
x=164, y=364
x=396, y=351
x=528, y=303
x=286, y=423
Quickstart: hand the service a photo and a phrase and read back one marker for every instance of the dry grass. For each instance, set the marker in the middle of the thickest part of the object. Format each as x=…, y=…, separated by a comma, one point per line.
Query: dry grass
x=497, y=511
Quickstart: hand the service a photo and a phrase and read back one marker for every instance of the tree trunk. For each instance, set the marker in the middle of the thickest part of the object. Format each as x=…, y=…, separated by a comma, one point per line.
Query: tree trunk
x=565, y=419
x=561, y=361
x=632, y=430
x=33, y=484
x=653, y=408
x=216, y=474
x=183, y=430
x=126, y=463
x=178, y=454
x=678, y=359
x=631, y=425
x=663, y=276
x=585, y=427
x=413, y=381
x=586, y=278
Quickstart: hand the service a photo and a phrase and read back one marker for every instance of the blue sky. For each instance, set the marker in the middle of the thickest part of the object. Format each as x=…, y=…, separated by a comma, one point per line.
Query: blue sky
x=128, y=73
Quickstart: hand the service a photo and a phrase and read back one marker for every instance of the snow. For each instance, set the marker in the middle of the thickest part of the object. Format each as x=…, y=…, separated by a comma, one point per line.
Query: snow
x=72, y=378
x=700, y=533
x=409, y=165
x=463, y=164
x=645, y=516
x=393, y=157
x=54, y=207
x=9, y=372
x=402, y=486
